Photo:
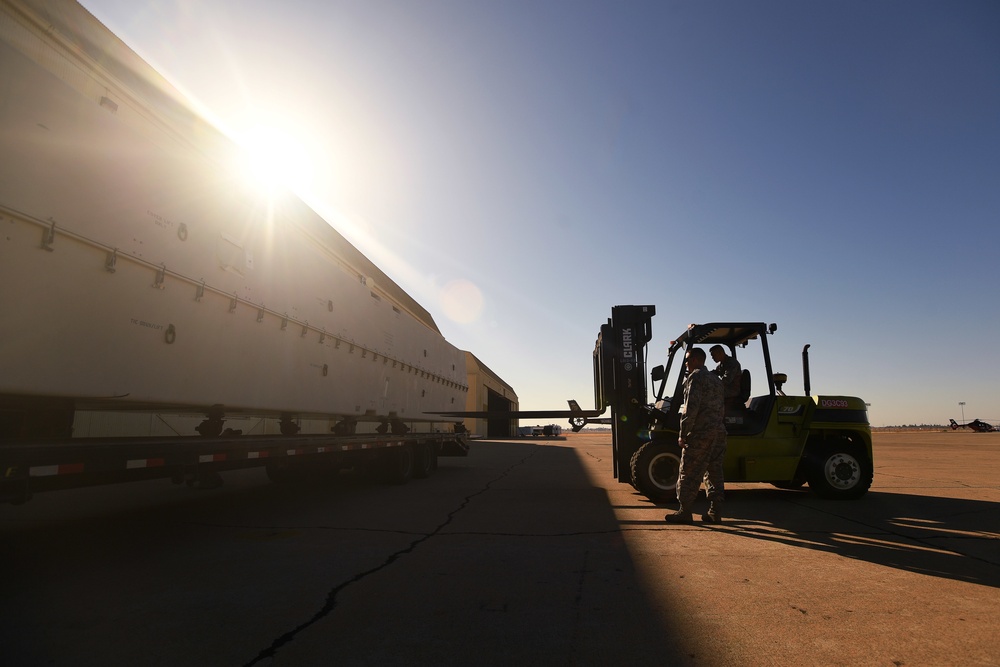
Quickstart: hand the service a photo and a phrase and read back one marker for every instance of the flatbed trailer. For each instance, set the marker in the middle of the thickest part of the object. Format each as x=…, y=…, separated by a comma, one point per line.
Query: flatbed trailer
x=59, y=464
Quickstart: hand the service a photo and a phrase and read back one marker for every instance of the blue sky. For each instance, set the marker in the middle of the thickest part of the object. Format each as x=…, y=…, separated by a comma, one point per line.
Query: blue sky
x=520, y=167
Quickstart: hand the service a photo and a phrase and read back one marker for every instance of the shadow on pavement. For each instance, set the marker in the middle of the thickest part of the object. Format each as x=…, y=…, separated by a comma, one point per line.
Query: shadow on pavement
x=942, y=537
x=532, y=569
x=509, y=557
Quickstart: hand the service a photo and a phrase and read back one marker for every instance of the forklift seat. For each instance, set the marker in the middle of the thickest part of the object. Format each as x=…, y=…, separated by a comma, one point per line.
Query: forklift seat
x=751, y=419
x=745, y=387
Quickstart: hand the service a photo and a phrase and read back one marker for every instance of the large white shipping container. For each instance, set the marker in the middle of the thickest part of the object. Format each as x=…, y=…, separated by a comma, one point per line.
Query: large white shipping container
x=137, y=271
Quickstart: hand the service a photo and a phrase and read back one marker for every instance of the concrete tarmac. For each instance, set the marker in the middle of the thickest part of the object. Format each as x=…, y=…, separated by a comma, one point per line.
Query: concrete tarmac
x=527, y=552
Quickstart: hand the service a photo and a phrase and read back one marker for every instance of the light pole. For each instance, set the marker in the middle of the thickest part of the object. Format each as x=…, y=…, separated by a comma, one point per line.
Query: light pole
x=961, y=404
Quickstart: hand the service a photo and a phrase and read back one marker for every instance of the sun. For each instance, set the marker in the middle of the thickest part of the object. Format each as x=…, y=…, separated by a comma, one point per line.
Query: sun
x=274, y=161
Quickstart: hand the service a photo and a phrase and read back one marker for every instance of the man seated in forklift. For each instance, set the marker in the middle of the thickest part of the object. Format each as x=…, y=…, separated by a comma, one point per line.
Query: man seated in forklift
x=729, y=371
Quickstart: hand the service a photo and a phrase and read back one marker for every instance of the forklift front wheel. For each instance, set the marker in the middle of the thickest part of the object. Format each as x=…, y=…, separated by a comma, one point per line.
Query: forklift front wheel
x=655, y=469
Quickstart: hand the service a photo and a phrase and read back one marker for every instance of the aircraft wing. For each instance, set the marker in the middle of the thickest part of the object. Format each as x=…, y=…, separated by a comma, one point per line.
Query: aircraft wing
x=578, y=417
x=521, y=414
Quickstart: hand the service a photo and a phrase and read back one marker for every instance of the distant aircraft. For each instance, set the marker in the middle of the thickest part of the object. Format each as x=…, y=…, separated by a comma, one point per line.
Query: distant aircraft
x=977, y=425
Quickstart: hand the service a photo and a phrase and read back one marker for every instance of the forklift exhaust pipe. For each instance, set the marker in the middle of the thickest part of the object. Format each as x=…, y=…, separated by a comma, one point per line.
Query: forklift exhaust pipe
x=805, y=368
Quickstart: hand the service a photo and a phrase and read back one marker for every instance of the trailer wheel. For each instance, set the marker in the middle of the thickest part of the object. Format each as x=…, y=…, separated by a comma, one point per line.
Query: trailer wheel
x=655, y=469
x=840, y=471
x=397, y=465
x=424, y=459
x=281, y=473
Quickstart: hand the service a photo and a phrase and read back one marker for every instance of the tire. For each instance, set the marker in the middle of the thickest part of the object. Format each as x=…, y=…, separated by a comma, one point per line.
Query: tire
x=840, y=471
x=655, y=469
x=397, y=465
x=299, y=473
x=282, y=474
x=424, y=459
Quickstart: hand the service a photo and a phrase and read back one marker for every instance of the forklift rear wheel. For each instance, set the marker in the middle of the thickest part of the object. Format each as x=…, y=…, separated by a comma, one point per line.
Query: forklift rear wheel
x=655, y=469
x=840, y=471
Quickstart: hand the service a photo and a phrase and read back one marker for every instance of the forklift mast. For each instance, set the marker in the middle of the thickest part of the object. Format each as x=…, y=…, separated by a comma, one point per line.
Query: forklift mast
x=620, y=380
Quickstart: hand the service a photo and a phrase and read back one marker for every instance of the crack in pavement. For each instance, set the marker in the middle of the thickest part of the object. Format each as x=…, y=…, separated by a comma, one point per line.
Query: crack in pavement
x=331, y=597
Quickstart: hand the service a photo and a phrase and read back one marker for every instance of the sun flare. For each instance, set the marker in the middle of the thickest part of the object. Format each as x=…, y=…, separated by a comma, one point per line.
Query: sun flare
x=275, y=161
x=462, y=301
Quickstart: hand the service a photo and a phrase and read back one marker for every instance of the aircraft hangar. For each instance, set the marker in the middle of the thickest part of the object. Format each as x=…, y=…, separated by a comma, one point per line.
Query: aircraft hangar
x=488, y=393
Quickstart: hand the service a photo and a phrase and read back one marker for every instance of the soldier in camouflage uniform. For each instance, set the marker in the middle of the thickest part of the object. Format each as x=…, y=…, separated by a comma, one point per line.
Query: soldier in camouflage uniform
x=702, y=440
x=731, y=373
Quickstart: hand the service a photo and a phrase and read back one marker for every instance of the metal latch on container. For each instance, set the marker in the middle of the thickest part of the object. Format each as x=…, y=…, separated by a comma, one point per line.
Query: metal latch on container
x=161, y=277
x=49, y=237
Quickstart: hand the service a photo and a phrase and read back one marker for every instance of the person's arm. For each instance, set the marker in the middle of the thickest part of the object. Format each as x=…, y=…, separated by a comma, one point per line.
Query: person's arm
x=691, y=407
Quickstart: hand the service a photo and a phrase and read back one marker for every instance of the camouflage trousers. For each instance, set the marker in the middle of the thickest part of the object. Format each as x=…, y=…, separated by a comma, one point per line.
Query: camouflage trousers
x=702, y=459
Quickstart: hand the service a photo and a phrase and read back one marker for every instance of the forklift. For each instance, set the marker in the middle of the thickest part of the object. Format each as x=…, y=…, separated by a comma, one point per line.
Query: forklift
x=772, y=437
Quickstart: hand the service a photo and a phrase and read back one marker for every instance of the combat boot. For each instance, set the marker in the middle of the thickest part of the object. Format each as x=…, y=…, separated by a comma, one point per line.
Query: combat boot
x=714, y=513
x=680, y=516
